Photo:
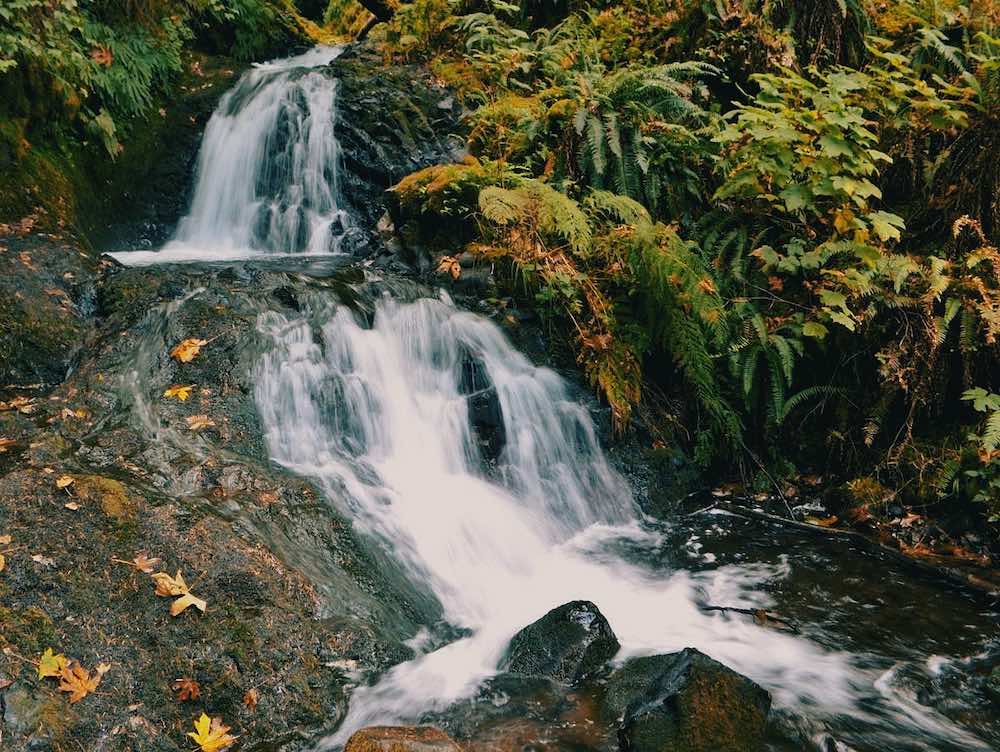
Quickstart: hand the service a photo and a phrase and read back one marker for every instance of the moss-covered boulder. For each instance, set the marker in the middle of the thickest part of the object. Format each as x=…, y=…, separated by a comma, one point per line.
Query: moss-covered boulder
x=685, y=702
x=570, y=643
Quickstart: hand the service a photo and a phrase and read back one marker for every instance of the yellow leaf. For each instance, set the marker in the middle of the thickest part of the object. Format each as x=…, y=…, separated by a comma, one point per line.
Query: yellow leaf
x=3, y=562
x=51, y=665
x=77, y=680
x=71, y=506
x=5, y=539
x=64, y=481
x=180, y=605
x=188, y=350
x=178, y=392
x=210, y=735
x=198, y=422
x=167, y=586
x=823, y=521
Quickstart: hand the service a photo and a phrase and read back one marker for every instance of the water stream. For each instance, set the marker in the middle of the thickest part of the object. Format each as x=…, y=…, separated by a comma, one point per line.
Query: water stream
x=379, y=413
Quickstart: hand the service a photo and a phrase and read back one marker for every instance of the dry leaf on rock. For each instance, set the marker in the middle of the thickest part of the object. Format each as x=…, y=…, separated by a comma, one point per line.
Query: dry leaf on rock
x=141, y=562
x=823, y=521
x=450, y=265
x=77, y=680
x=65, y=481
x=45, y=561
x=188, y=350
x=210, y=735
x=167, y=586
x=5, y=540
x=180, y=605
x=51, y=664
x=3, y=563
x=72, y=506
x=180, y=393
x=4, y=443
x=251, y=698
x=187, y=688
x=198, y=422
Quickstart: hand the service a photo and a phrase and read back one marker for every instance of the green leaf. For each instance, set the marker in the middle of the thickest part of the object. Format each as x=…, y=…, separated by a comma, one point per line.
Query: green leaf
x=814, y=329
x=887, y=225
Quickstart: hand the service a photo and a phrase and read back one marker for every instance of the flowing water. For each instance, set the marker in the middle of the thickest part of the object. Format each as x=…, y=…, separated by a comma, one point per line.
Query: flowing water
x=380, y=412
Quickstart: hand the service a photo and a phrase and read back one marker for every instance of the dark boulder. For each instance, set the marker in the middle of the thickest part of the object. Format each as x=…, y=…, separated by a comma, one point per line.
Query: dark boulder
x=685, y=702
x=570, y=643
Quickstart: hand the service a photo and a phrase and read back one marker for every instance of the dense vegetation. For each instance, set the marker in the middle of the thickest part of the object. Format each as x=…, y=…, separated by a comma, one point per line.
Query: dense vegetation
x=770, y=228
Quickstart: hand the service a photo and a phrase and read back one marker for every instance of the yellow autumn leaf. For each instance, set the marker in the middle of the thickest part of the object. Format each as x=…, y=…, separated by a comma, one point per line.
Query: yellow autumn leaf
x=77, y=680
x=180, y=393
x=3, y=562
x=65, y=481
x=210, y=734
x=167, y=586
x=198, y=422
x=188, y=350
x=50, y=664
x=187, y=600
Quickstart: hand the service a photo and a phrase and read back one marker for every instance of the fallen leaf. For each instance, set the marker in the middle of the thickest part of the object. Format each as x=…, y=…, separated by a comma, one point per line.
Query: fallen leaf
x=167, y=586
x=103, y=668
x=5, y=540
x=210, y=735
x=4, y=443
x=45, y=561
x=180, y=605
x=180, y=393
x=141, y=562
x=65, y=481
x=51, y=664
x=909, y=519
x=77, y=680
x=251, y=697
x=72, y=506
x=188, y=350
x=198, y=422
x=823, y=521
x=3, y=562
x=186, y=688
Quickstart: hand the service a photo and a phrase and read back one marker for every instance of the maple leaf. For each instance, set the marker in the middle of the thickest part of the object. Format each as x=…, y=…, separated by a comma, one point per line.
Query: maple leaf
x=251, y=698
x=77, y=680
x=167, y=586
x=65, y=481
x=183, y=603
x=141, y=562
x=187, y=688
x=210, y=734
x=198, y=422
x=188, y=350
x=50, y=664
x=180, y=393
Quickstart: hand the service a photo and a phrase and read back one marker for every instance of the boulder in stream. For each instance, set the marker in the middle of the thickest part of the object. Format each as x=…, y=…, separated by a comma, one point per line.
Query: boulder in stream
x=401, y=739
x=570, y=643
x=685, y=702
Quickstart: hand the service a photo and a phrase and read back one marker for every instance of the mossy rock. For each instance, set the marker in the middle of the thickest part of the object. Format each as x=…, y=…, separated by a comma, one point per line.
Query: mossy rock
x=28, y=630
x=401, y=739
x=111, y=494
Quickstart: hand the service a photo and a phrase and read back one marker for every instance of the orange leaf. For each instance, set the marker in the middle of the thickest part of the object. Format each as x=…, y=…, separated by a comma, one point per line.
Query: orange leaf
x=77, y=680
x=187, y=688
x=188, y=350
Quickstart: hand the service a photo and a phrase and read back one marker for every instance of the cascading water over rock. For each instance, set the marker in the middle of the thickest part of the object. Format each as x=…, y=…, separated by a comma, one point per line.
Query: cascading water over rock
x=267, y=169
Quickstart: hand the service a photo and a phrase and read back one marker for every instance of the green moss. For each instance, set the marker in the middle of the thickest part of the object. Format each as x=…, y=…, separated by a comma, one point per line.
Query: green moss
x=29, y=631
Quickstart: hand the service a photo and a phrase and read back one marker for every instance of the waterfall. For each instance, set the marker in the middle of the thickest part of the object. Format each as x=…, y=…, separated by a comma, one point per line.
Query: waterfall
x=266, y=176
x=379, y=415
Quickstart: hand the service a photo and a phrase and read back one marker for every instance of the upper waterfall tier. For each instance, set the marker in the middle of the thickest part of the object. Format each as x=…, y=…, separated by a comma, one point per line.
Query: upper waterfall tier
x=267, y=169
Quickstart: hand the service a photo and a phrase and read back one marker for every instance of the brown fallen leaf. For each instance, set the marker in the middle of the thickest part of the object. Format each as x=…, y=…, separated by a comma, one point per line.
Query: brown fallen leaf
x=186, y=688
x=188, y=350
x=823, y=521
x=211, y=735
x=4, y=443
x=3, y=562
x=45, y=561
x=72, y=506
x=5, y=540
x=65, y=481
x=198, y=422
x=77, y=680
x=51, y=664
x=180, y=393
x=141, y=562
x=251, y=698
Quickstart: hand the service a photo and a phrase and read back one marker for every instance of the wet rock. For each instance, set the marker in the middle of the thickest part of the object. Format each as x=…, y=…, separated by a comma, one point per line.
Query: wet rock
x=685, y=702
x=570, y=643
x=401, y=739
